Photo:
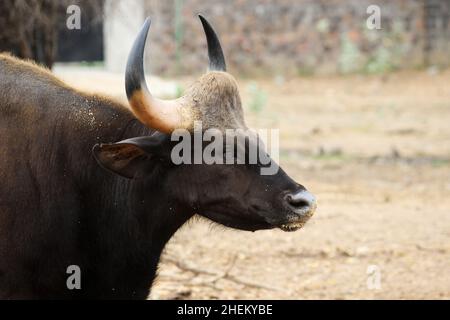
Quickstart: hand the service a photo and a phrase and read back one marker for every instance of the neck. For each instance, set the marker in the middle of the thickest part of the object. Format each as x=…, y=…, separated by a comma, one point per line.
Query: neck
x=130, y=221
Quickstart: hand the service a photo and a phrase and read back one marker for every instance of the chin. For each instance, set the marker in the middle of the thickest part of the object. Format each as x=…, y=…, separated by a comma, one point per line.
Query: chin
x=238, y=224
x=251, y=227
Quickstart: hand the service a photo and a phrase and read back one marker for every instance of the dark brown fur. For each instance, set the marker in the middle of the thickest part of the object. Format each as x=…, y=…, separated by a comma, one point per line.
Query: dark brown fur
x=47, y=131
x=59, y=208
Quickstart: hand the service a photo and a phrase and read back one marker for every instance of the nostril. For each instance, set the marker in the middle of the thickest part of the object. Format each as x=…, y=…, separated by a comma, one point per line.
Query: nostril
x=301, y=200
x=298, y=203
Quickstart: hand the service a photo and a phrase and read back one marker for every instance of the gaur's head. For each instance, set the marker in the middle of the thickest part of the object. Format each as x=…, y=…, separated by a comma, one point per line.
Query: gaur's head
x=237, y=193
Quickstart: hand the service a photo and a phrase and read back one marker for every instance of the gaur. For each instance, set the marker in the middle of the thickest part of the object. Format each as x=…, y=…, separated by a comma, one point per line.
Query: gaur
x=88, y=181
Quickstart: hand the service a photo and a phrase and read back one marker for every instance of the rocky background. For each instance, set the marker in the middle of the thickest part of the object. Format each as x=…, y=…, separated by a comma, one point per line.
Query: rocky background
x=301, y=37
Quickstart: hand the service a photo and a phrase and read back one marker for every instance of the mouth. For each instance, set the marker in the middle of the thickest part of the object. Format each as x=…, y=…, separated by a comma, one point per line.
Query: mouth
x=294, y=222
x=291, y=222
x=297, y=221
x=293, y=226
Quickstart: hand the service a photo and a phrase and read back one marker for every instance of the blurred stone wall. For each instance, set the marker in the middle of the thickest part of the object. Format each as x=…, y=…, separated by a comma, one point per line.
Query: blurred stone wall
x=299, y=36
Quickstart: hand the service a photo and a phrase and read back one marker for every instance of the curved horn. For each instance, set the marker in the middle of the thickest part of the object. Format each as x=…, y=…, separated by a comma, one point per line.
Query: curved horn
x=215, y=53
x=164, y=116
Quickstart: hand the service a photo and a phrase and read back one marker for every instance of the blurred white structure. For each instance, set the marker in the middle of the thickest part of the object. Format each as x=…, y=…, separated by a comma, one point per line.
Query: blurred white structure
x=122, y=21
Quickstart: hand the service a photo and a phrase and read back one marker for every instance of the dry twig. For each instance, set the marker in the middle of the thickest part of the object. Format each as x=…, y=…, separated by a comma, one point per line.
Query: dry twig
x=218, y=276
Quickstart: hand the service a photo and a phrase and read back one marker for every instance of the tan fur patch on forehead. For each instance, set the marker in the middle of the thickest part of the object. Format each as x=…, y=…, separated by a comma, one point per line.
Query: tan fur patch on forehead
x=216, y=101
x=223, y=79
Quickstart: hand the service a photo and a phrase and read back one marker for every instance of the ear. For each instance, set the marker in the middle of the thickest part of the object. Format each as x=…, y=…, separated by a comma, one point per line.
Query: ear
x=129, y=158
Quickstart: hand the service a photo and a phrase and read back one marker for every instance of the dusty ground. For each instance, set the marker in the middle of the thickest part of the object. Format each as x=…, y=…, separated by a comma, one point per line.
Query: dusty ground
x=376, y=153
